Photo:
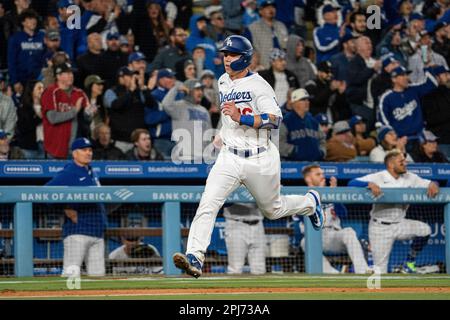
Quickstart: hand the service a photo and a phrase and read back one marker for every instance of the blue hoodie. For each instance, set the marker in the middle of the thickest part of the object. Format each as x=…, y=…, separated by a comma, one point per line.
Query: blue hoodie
x=195, y=38
x=326, y=41
x=25, y=56
x=91, y=216
x=73, y=41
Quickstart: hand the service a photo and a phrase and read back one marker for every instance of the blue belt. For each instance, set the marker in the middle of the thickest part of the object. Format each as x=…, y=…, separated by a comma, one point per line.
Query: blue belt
x=247, y=152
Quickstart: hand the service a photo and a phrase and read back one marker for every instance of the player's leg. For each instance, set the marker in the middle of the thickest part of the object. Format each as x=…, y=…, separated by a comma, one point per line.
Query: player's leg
x=75, y=247
x=95, y=260
x=237, y=246
x=222, y=180
x=262, y=179
x=257, y=249
x=348, y=237
x=381, y=238
x=420, y=233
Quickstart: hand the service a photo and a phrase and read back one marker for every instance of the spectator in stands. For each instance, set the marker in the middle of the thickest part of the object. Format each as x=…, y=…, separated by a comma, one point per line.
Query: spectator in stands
x=391, y=43
x=29, y=131
x=52, y=41
x=165, y=82
x=278, y=77
x=360, y=71
x=143, y=149
x=427, y=150
x=340, y=61
x=388, y=140
x=150, y=30
x=424, y=57
x=172, y=54
x=113, y=58
x=125, y=47
x=103, y=146
x=358, y=26
x=324, y=123
x=341, y=146
x=211, y=94
x=301, y=138
x=8, y=115
x=441, y=40
x=94, y=88
x=302, y=67
x=197, y=26
x=435, y=109
x=48, y=72
x=85, y=224
x=138, y=63
x=382, y=81
x=25, y=51
x=267, y=33
x=326, y=37
x=8, y=152
x=250, y=13
x=73, y=41
x=233, y=15
x=400, y=107
x=216, y=28
x=187, y=114
x=11, y=19
x=187, y=71
x=198, y=57
x=409, y=42
x=363, y=143
x=128, y=101
x=61, y=103
x=92, y=61
x=245, y=238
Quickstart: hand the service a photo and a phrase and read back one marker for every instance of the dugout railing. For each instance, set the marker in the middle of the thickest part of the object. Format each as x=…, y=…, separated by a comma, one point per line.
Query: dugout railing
x=171, y=197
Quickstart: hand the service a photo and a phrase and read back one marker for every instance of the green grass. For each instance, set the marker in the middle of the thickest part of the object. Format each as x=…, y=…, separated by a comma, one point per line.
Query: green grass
x=268, y=281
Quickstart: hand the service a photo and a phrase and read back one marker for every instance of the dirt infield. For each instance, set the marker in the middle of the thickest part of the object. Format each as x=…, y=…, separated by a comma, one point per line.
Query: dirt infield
x=166, y=292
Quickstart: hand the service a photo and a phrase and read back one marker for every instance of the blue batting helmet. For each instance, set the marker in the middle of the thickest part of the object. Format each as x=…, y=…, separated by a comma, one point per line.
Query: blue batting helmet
x=240, y=45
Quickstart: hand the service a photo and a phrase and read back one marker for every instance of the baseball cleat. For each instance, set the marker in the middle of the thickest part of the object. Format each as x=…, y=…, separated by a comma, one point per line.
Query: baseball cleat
x=189, y=263
x=409, y=267
x=318, y=217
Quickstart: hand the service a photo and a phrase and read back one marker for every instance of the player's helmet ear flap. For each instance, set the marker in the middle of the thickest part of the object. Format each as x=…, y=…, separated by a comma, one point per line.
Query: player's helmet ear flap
x=241, y=45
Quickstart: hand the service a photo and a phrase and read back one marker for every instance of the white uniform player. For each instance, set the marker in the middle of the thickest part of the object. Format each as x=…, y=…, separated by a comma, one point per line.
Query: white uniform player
x=388, y=222
x=335, y=239
x=247, y=157
x=245, y=237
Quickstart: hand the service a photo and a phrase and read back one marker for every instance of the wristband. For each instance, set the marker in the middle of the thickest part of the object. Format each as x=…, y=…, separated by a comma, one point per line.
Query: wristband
x=247, y=120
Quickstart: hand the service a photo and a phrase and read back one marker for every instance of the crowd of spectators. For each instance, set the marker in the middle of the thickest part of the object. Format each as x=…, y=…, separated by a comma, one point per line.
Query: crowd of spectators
x=131, y=73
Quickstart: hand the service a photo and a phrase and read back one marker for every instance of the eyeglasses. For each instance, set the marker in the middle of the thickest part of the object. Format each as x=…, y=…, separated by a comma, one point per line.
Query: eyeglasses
x=218, y=18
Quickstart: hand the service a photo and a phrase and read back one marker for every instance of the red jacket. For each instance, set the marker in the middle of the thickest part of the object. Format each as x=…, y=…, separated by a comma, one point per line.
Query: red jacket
x=57, y=136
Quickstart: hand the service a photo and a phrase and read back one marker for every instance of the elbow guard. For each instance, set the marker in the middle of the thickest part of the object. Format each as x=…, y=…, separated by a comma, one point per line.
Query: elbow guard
x=268, y=123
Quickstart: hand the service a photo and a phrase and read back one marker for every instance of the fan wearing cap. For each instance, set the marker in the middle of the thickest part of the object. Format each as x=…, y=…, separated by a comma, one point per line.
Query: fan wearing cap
x=85, y=224
x=436, y=109
x=61, y=104
x=278, y=77
x=401, y=107
x=340, y=147
x=52, y=41
x=211, y=95
x=387, y=141
x=94, y=88
x=427, y=150
x=341, y=60
x=441, y=40
x=392, y=43
x=268, y=32
x=382, y=81
x=324, y=123
x=425, y=57
x=326, y=37
x=8, y=152
x=296, y=61
x=187, y=114
x=301, y=138
x=113, y=58
x=363, y=143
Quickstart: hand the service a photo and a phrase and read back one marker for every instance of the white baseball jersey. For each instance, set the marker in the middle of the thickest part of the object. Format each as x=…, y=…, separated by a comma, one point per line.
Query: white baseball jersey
x=393, y=212
x=332, y=220
x=253, y=96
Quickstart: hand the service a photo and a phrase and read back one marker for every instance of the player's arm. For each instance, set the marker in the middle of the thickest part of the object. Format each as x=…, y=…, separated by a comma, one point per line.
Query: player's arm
x=431, y=186
x=261, y=121
x=367, y=182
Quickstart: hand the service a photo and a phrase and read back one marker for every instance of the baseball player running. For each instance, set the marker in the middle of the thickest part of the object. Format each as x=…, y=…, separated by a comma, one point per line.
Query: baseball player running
x=388, y=222
x=248, y=157
x=335, y=239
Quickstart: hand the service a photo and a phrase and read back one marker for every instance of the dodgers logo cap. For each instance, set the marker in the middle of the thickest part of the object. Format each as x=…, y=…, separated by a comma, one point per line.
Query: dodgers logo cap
x=81, y=143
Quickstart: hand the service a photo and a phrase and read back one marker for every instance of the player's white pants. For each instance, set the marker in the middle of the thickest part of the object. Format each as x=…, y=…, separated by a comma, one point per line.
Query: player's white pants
x=261, y=175
x=242, y=241
x=79, y=248
x=382, y=238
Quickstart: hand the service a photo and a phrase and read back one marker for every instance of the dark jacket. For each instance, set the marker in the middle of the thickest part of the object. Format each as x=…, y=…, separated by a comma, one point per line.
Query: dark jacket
x=89, y=63
x=169, y=57
x=321, y=93
x=145, y=38
x=436, y=112
x=112, y=61
x=269, y=76
x=27, y=121
x=380, y=84
x=419, y=156
x=358, y=76
x=110, y=152
x=127, y=112
x=155, y=155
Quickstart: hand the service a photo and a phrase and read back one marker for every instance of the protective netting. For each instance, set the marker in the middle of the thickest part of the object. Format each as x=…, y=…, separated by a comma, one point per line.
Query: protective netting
x=6, y=239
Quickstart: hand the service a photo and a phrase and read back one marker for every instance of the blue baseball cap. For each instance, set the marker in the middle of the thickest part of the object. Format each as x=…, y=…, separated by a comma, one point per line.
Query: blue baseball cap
x=347, y=37
x=125, y=71
x=383, y=131
x=328, y=8
x=265, y=3
x=165, y=73
x=440, y=69
x=3, y=134
x=113, y=35
x=355, y=120
x=399, y=71
x=64, y=4
x=276, y=53
x=387, y=59
x=136, y=56
x=81, y=143
x=322, y=118
x=415, y=16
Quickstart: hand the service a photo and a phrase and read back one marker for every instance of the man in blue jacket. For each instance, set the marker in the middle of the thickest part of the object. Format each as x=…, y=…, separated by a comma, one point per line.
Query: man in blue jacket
x=85, y=224
x=26, y=51
x=326, y=37
x=301, y=138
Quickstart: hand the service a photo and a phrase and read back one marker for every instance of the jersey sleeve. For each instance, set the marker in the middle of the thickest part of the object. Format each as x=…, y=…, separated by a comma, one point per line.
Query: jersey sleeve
x=266, y=101
x=419, y=182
